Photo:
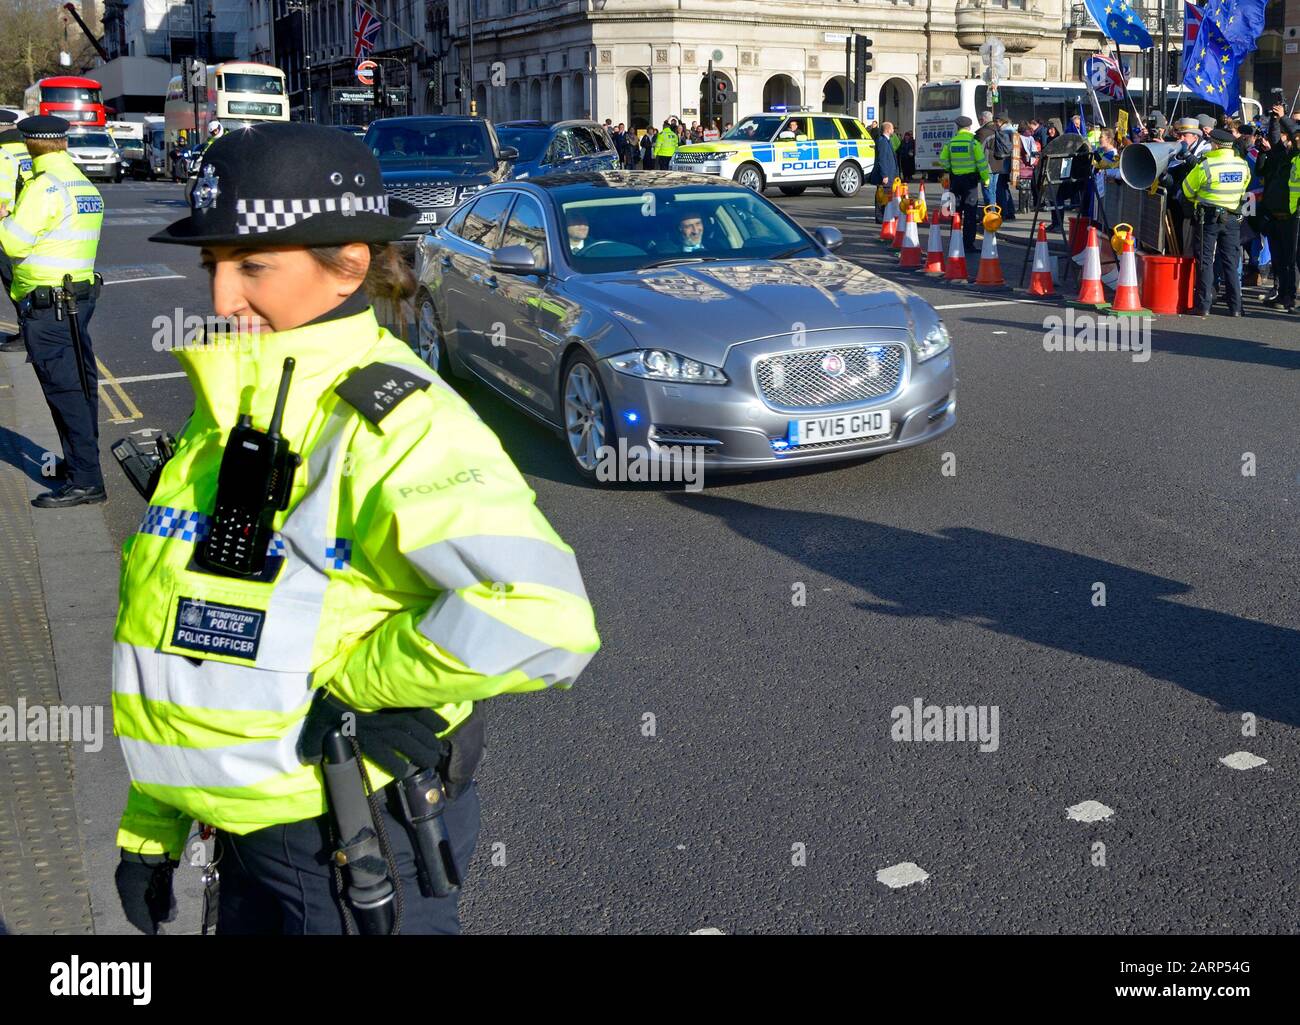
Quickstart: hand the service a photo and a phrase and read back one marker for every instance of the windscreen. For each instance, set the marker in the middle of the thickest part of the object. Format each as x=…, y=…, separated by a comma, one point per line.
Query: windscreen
x=630, y=230
x=528, y=141
x=431, y=143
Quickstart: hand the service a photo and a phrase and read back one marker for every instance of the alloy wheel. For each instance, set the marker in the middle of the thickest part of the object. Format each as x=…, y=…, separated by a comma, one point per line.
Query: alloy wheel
x=584, y=416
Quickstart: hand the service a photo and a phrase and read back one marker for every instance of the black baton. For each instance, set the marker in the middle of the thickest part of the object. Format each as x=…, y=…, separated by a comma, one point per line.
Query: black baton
x=369, y=890
x=74, y=327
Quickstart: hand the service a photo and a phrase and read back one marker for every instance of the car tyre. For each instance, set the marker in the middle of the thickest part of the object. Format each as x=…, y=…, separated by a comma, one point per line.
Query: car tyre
x=792, y=190
x=848, y=180
x=750, y=175
x=430, y=343
x=588, y=422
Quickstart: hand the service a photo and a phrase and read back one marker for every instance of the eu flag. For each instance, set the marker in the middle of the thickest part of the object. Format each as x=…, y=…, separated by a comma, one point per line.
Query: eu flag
x=1118, y=20
x=1212, y=68
x=1240, y=21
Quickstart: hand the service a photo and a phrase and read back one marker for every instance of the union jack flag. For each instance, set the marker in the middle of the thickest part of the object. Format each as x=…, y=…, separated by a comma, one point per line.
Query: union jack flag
x=365, y=33
x=1102, y=72
x=1192, y=16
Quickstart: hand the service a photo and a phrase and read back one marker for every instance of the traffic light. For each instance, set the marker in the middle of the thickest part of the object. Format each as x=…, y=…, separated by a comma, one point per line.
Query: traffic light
x=861, y=65
x=721, y=91
x=460, y=93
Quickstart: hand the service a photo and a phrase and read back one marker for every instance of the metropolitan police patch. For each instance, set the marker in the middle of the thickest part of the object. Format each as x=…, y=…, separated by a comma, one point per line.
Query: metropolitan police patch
x=215, y=629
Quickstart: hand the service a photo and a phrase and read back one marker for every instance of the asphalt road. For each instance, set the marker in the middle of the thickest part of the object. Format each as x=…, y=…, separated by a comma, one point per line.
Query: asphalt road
x=770, y=793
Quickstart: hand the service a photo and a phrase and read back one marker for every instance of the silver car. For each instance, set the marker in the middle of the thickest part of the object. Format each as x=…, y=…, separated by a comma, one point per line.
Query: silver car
x=681, y=314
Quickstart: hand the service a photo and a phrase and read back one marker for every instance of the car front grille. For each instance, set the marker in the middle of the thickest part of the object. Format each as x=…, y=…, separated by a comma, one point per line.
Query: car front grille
x=693, y=158
x=424, y=196
x=805, y=379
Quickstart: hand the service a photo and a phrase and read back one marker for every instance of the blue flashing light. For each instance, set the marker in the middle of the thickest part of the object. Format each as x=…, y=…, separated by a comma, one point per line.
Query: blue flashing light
x=779, y=444
x=631, y=416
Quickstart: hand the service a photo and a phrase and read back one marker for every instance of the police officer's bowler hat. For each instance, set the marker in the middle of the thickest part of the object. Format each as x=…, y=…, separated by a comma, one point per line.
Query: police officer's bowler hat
x=288, y=184
x=47, y=126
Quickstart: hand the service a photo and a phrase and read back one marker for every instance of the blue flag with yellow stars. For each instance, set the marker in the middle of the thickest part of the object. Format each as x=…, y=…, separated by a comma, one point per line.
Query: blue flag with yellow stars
x=1118, y=20
x=1240, y=21
x=1212, y=68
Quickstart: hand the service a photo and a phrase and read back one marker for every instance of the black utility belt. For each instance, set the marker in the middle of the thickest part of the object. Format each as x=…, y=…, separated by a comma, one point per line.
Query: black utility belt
x=1215, y=214
x=44, y=296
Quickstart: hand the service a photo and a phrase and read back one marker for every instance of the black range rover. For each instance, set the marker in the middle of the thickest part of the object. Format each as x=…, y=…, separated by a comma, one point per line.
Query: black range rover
x=435, y=162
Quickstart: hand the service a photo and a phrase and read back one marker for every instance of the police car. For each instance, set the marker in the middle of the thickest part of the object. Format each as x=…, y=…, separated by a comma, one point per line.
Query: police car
x=790, y=148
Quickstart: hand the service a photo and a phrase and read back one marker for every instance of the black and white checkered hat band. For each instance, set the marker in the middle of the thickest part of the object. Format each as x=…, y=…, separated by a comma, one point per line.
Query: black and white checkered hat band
x=255, y=216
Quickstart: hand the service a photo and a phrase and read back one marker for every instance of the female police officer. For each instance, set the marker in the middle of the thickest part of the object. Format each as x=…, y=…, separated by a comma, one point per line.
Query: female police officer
x=409, y=575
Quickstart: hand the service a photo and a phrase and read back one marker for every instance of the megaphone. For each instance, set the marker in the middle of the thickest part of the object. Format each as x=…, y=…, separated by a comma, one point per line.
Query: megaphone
x=1142, y=164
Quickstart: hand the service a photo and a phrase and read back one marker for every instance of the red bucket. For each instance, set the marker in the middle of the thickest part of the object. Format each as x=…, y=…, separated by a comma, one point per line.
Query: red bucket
x=1078, y=234
x=1169, y=283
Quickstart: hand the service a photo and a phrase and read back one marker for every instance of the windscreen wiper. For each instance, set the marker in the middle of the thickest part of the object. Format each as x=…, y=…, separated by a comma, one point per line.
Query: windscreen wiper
x=669, y=261
x=786, y=254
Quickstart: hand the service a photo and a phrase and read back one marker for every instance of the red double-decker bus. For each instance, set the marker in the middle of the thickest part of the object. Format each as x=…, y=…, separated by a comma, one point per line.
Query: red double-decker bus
x=76, y=100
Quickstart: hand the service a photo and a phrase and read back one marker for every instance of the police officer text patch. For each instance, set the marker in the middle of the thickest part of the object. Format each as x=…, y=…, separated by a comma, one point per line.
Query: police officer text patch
x=374, y=391
x=216, y=629
x=90, y=205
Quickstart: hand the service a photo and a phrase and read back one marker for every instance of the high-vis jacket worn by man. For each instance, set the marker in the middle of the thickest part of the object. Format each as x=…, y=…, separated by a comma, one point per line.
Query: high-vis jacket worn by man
x=53, y=234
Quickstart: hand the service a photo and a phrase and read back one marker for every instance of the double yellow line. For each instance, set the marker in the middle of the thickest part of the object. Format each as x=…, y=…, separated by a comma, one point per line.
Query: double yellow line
x=108, y=384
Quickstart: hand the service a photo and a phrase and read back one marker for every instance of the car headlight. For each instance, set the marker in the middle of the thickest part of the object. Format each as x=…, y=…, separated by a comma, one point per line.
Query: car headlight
x=661, y=365
x=932, y=343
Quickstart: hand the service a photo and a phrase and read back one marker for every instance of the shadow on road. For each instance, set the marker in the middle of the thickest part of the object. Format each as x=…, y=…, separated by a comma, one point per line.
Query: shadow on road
x=23, y=453
x=1038, y=594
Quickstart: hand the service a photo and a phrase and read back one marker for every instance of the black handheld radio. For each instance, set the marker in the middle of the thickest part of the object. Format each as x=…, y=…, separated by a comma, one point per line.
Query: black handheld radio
x=253, y=485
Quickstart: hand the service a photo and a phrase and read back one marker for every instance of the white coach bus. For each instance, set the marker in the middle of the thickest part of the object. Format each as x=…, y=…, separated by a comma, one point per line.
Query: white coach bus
x=939, y=104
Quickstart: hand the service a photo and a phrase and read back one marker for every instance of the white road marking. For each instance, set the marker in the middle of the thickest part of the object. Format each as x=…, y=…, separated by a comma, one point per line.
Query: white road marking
x=1243, y=760
x=1089, y=811
x=150, y=377
x=120, y=222
x=990, y=302
x=133, y=281
x=905, y=873
x=710, y=931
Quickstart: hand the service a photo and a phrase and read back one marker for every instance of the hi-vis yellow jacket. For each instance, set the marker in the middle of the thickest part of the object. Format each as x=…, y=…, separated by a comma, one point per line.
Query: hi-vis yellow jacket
x=414, y=570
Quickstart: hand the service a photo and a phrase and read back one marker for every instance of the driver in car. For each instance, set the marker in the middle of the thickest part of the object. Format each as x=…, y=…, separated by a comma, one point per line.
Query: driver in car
x=578, y=229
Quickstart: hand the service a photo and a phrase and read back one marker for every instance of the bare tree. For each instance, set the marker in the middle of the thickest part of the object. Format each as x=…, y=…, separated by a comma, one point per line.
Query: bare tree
x=29, y=45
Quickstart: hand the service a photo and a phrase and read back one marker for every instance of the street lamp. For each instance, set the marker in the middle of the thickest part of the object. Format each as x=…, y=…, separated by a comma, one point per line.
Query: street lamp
x=304, y=9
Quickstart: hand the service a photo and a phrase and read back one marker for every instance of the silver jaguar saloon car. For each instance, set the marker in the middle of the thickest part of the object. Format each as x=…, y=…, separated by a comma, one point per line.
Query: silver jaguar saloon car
x=681, y=314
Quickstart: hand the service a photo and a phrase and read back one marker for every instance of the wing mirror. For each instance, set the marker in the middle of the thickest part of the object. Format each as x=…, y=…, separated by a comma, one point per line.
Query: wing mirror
x=515, y=260
x=829, y=237
x=508, y=154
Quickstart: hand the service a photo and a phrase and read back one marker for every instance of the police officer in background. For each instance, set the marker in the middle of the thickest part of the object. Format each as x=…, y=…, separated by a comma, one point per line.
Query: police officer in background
x=410, y=577
x=15, y=172
x=1214, y=188
x=1277, y=164
x=962, y=157
x=53, y=233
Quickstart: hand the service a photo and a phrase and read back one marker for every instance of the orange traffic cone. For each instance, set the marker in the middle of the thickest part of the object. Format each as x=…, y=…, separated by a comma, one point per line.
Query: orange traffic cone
x=904, y=215
x=990, y=272
x=910, y=252
x=889, y=219
x=1128, y=298
x=955, y=268
x=1090, y=290
x=934, y=248
x=1040, y=278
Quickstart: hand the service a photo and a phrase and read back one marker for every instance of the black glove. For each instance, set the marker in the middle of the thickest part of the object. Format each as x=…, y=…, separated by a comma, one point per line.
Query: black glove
x=144, y=886
x=394, y=739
